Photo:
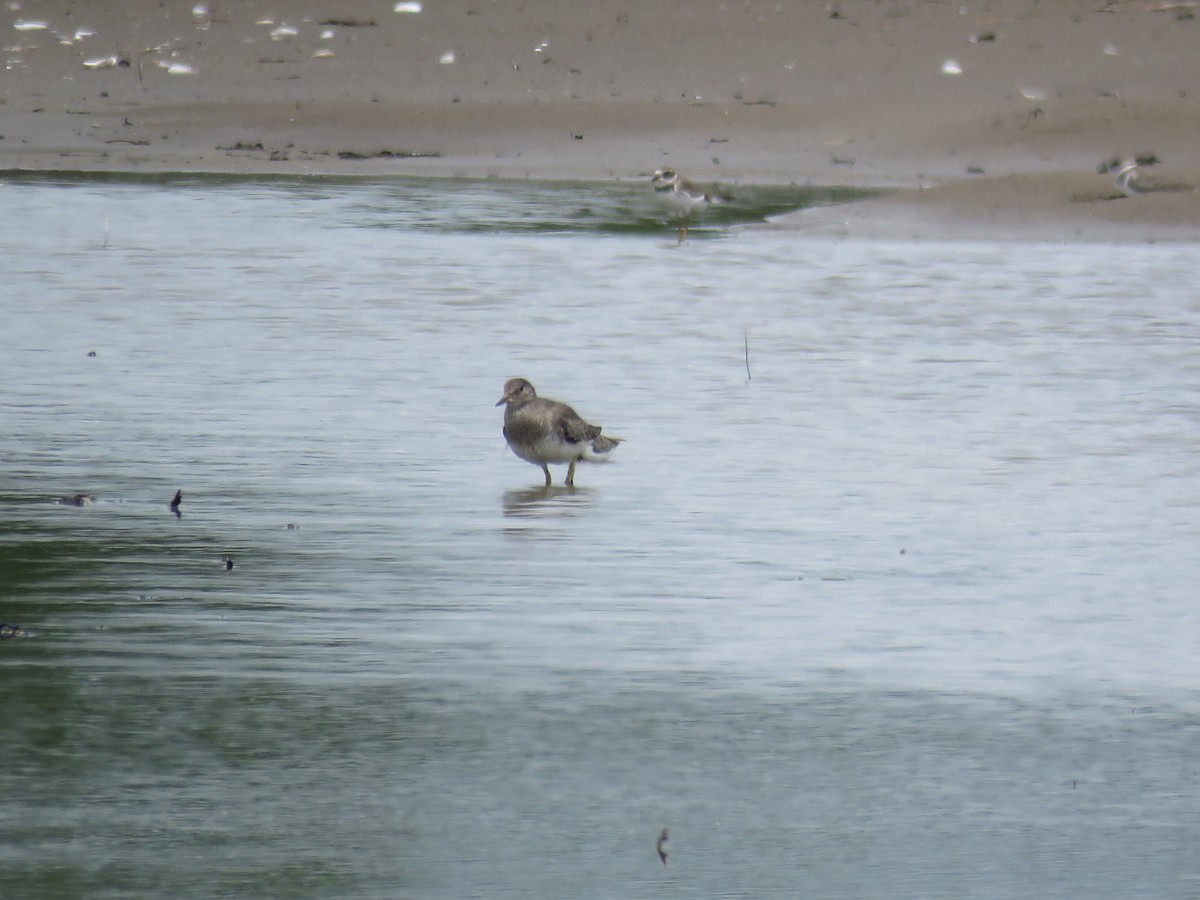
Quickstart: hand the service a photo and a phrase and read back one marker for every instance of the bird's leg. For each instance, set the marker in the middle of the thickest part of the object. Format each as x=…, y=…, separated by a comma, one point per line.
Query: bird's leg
x=571, y=474
x=546, y=469
x=683, y=230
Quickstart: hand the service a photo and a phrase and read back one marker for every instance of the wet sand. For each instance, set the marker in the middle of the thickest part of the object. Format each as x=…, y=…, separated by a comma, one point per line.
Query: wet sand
x=989, y=117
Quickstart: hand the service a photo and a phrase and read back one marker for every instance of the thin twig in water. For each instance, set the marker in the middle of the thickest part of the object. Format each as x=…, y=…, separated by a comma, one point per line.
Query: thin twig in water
x=746, y=339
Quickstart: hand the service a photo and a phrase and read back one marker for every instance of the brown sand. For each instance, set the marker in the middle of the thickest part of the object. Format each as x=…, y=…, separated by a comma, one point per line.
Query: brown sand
x=849, y=92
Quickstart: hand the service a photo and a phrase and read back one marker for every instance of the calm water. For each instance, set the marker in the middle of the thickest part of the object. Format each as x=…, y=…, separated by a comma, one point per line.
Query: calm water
x=909, y=612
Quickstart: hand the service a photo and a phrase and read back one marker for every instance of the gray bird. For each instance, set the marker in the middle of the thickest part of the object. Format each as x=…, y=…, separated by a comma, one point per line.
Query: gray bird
x=544, y=431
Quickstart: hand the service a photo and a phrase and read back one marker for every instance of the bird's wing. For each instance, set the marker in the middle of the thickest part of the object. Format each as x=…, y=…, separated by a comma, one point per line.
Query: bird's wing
x=577, y=431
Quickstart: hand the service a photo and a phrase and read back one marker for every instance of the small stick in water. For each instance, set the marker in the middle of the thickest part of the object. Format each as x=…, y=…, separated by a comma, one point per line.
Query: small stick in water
x=658, y=845
x=746, y=337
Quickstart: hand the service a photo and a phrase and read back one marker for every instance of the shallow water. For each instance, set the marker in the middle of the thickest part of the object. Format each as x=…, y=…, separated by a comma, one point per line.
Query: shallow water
x=909, y=611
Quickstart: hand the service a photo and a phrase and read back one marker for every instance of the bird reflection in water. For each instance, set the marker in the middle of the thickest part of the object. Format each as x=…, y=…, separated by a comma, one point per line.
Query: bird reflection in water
x=546, y=502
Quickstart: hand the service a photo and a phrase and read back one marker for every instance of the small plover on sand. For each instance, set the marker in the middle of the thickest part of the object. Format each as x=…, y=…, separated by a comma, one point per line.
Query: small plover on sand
x=682, y=197
x=544, y=431
x=1132, y=179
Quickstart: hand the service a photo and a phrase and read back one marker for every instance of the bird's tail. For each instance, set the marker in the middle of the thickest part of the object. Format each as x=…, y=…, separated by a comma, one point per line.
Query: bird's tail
x=604, y=444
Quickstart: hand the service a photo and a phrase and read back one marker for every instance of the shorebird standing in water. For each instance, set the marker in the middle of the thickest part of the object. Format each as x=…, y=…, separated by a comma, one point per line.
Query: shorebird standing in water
x=682, y=197
x=1132, y=178
x=544, y=431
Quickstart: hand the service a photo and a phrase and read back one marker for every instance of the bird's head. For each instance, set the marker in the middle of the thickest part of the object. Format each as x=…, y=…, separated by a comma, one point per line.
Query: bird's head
x=517, y=392
x=664, y=179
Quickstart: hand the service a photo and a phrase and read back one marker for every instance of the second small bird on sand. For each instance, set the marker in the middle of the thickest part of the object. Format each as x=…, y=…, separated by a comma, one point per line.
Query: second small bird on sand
x=543, y=431
x=1133, y=179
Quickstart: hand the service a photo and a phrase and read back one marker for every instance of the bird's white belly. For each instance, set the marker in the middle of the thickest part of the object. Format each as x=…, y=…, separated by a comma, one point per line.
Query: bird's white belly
x=549, y=451
x=680, y=204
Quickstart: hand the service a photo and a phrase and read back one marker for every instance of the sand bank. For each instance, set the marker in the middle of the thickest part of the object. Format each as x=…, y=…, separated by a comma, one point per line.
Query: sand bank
x=997, y=114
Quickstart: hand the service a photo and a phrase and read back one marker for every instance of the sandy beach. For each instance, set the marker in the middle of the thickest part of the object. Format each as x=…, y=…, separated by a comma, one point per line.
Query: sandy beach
x=990, y=118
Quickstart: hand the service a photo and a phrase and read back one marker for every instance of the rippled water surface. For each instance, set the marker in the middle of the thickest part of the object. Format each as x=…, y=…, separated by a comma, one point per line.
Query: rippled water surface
x=890, y=591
